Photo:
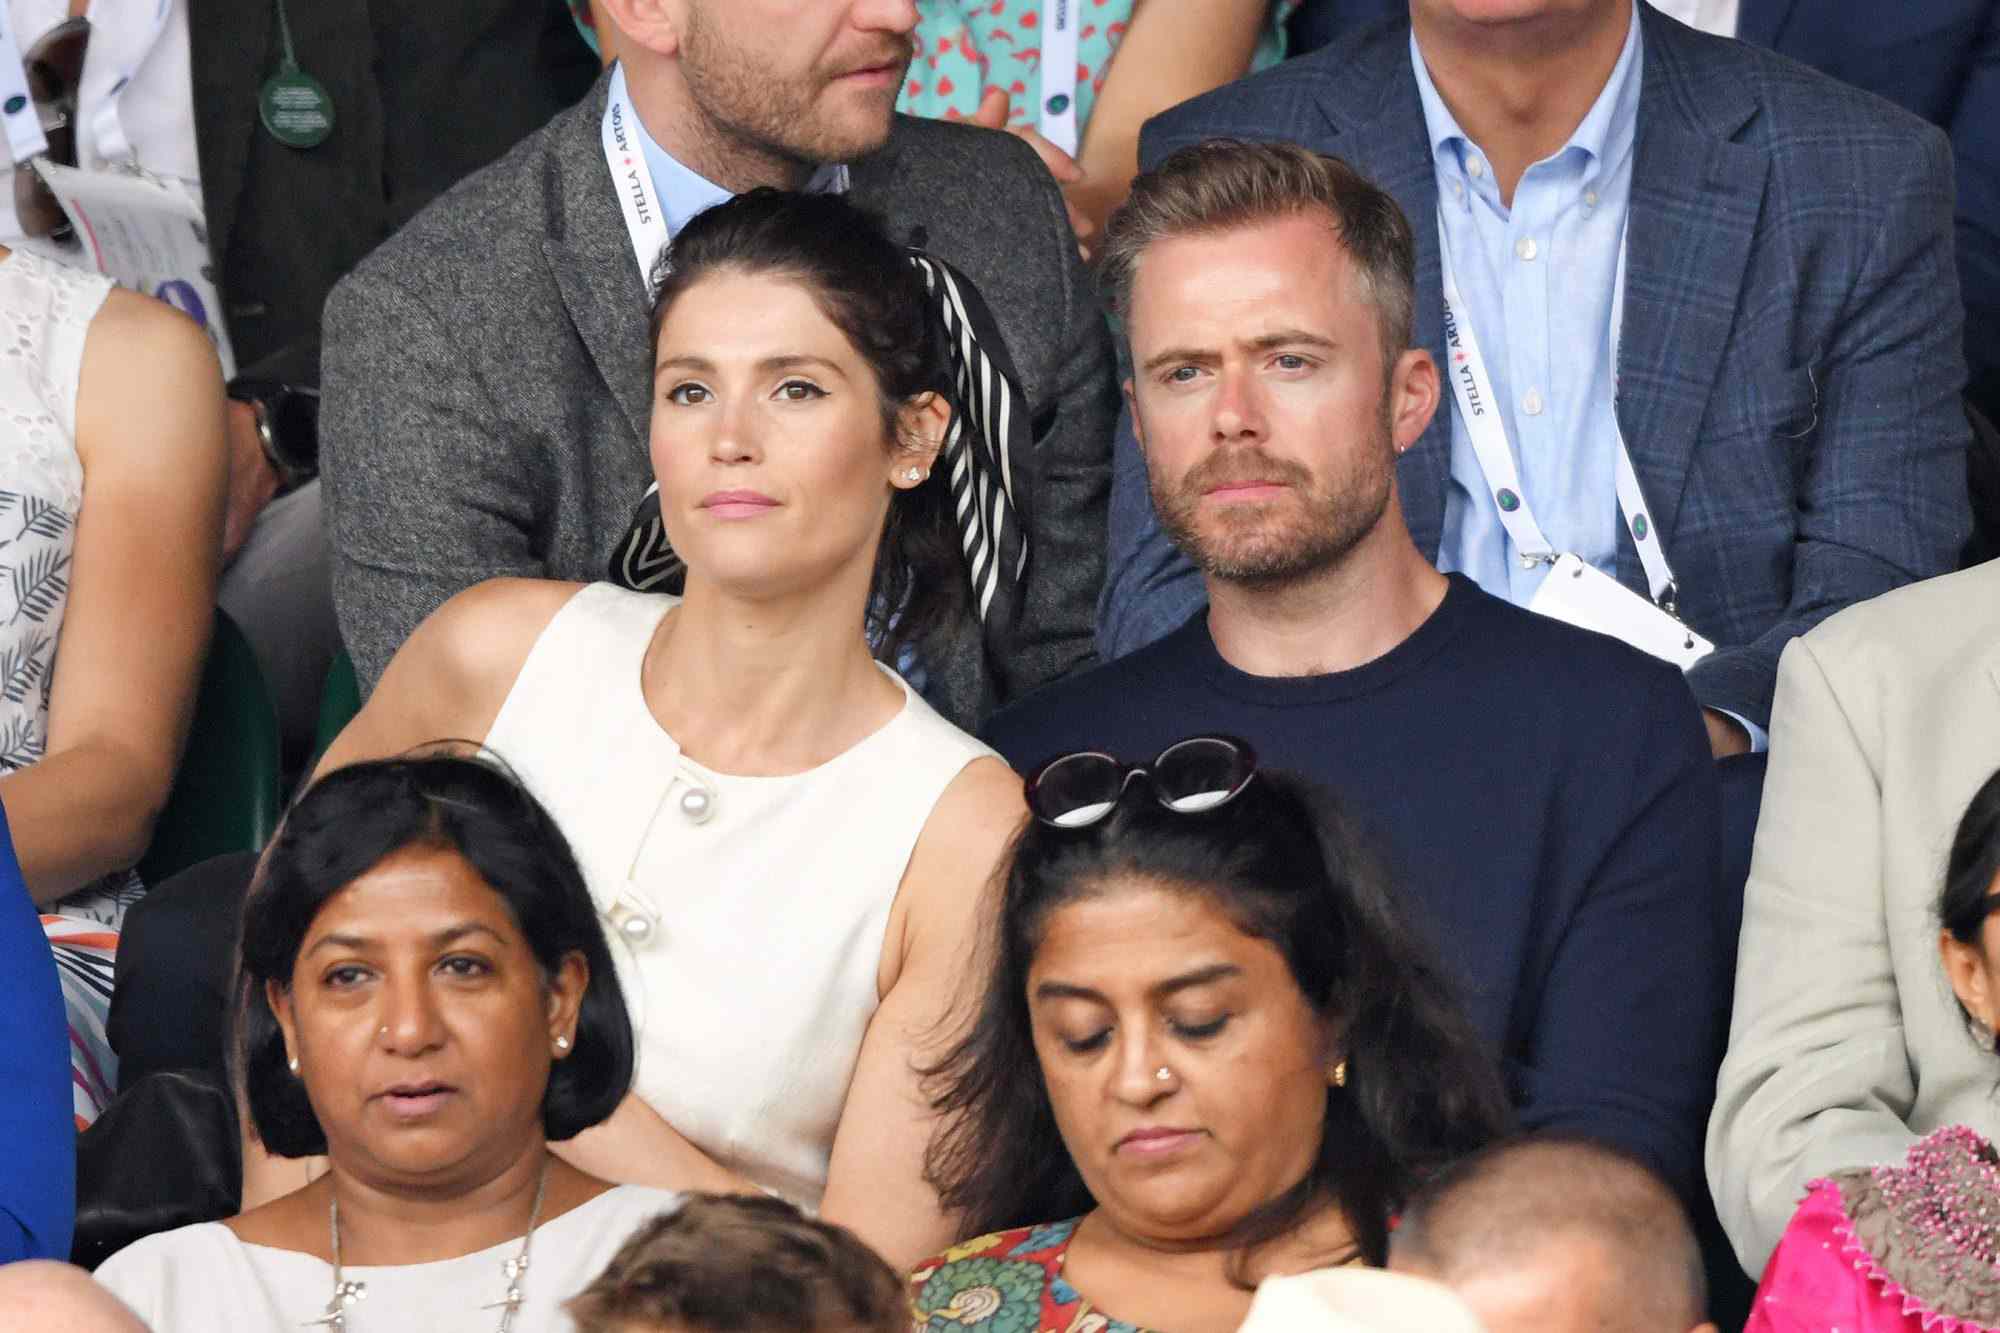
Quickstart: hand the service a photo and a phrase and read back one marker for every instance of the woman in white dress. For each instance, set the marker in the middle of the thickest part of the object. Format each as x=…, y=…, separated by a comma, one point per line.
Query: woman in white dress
x=790, y=844
x=428, y=1001
x=112, y=476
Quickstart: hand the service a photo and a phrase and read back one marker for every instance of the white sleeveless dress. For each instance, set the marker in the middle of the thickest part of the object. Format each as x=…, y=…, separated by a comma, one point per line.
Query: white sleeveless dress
x=45, y=314
x=747, y=914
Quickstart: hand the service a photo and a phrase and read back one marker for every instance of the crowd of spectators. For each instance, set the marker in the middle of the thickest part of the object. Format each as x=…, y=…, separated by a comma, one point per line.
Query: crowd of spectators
x=1033, y=666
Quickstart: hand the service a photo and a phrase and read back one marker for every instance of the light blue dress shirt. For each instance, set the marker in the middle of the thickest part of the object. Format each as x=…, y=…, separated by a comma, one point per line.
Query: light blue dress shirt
x=683, y=191
x=1536, y=283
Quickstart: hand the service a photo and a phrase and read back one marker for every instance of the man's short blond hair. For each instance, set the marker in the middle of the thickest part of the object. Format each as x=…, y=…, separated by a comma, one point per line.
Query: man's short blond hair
x=1224, y=184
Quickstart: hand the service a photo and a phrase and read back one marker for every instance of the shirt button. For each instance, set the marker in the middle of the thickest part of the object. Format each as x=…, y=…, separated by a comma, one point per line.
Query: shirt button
x=1590, y=199
x=1531, y=403
x=1475, y=168
x=1526, y=247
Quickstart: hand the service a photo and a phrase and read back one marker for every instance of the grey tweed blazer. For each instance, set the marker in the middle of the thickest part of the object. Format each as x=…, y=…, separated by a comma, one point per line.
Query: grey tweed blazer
x=487, y=386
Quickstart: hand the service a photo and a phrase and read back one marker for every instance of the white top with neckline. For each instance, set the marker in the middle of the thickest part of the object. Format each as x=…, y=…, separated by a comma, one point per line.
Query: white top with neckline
x=751, y=996
x=200, y=1278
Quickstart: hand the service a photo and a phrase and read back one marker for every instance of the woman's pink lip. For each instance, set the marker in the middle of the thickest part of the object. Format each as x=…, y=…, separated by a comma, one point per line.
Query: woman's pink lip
x=739, y=504
x=414, y=1105
x=1157, y=1142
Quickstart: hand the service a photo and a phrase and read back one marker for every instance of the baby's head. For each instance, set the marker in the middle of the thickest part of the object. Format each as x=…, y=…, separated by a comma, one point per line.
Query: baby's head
x=742, y=1264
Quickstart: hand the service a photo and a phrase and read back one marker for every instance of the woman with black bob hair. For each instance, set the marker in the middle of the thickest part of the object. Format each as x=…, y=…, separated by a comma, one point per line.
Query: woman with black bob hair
x=1205, y=1039
x=427, y=999
x=785, y=841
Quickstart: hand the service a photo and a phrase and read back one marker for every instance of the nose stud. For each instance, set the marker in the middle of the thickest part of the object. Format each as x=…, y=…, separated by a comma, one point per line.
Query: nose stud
x=1163, y=1074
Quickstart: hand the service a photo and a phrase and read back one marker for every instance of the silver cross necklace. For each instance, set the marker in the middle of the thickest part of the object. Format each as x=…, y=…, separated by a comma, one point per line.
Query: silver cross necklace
x=346, y=1293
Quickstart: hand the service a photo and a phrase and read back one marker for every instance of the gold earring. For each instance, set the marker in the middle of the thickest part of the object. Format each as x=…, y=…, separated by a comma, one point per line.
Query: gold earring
x=1340, y=1074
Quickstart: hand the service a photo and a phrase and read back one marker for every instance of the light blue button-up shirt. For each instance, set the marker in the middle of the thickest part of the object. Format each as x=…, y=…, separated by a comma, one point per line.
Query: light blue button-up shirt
x=683, y=191
x=1535, y=282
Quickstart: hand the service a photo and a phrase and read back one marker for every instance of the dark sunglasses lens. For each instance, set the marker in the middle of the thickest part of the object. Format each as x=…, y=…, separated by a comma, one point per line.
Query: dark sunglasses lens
x=1201, y=773
x=36, y=207
x=1076, y=790
x=55, y=63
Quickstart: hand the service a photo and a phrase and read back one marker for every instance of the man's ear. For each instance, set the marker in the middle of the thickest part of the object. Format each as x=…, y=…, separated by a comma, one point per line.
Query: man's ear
x=649, y=25
x=1132, y=414
x=1414, y=389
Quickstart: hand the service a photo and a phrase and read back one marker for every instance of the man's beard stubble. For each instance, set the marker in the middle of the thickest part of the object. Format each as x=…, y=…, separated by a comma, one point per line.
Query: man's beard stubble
x=1251, y=545
x=771, y=117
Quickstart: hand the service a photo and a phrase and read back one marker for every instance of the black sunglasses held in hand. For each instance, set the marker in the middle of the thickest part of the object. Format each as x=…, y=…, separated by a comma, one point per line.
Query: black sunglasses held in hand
x=1189, y=777
x=54, y=67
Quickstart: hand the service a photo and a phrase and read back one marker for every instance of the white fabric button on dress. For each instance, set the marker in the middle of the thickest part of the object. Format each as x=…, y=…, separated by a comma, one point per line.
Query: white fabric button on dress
x=1526, y=247
x=1475, y=167
x=1531, y=403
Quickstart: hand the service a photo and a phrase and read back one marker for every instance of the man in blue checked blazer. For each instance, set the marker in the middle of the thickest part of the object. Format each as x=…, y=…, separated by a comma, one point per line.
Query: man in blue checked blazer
x=1789, y=373
x=1937, y=58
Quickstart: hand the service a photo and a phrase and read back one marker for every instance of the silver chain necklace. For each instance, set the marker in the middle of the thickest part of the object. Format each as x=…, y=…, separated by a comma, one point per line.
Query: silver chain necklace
x=346, y=1293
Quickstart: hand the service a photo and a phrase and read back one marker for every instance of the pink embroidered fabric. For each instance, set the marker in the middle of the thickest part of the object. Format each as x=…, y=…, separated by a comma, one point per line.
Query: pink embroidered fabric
x=1822, y=1277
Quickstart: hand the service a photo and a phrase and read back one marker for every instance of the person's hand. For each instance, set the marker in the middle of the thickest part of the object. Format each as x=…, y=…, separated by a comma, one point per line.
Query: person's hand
x=252, y=482
x=1726, y=735
x=994, y=109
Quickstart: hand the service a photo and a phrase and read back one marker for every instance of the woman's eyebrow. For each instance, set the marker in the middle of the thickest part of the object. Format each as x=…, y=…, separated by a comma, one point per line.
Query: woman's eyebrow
x=449, y=935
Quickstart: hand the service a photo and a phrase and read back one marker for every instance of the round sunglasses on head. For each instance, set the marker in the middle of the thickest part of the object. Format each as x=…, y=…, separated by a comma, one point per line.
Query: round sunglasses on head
x=1188, y=777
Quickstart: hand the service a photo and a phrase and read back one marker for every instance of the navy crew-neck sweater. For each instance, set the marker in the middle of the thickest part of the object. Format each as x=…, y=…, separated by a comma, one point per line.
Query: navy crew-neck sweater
x=1547, y=803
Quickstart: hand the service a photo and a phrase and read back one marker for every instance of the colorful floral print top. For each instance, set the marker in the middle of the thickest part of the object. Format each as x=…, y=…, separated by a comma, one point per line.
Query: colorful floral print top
x=964, y=46
x=1009, y=1282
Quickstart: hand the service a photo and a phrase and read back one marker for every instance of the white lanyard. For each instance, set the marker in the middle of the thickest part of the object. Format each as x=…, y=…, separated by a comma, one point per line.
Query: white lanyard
x=1480, y=411
x=645, y=215
x=113, y=145
x=1059, y=74
x=17, y=106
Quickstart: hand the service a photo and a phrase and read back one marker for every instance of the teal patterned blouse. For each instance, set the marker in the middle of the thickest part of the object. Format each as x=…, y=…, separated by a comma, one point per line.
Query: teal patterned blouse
x=965, y=45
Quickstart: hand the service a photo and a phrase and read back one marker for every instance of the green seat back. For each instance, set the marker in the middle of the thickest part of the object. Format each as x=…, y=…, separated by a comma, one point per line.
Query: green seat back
x=339, y=701
x=225, y=796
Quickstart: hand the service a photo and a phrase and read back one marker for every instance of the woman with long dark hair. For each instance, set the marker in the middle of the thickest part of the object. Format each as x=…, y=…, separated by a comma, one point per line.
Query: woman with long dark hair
x=1206, y=1052
x=785, y=841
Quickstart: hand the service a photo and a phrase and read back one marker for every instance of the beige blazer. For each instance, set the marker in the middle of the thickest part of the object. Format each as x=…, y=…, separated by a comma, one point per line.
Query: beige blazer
x=1847, y=1045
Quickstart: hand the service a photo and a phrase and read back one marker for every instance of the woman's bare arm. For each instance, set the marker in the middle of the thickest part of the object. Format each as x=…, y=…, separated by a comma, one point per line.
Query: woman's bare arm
x=1173, y=50
x=149, y=431
x=448, y=680
x=875, y=1184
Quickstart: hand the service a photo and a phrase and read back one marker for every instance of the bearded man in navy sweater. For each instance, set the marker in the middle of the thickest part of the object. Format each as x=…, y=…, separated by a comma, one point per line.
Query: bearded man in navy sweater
x=1544, y=795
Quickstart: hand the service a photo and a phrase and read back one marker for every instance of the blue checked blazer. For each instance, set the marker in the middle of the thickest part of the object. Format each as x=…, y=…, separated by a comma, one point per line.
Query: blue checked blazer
x=1790, y=370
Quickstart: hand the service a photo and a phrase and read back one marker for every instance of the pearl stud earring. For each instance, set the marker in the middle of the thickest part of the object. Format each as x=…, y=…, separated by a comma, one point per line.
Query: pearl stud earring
x=562, y=1043
x=293, y=1064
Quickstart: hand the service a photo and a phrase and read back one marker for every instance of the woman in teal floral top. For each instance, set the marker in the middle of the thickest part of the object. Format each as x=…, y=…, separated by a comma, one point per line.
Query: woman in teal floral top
x=1205, y=1042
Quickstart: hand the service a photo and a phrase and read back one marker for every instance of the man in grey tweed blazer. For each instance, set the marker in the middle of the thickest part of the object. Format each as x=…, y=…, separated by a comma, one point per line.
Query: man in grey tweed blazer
x=487, y=373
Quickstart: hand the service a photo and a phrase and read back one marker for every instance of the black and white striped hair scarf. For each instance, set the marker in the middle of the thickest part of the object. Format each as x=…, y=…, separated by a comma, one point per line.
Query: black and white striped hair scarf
x=989, y=432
